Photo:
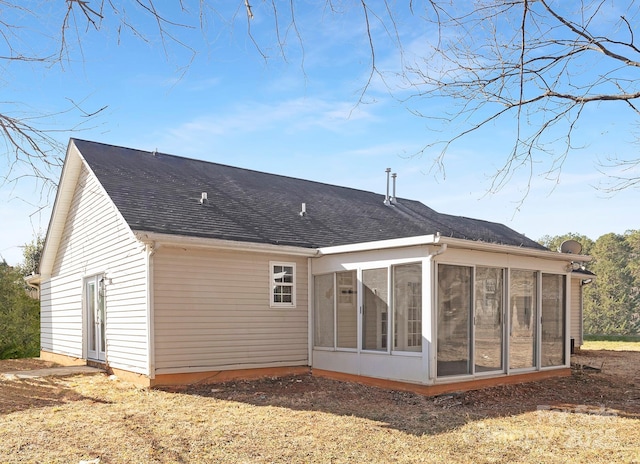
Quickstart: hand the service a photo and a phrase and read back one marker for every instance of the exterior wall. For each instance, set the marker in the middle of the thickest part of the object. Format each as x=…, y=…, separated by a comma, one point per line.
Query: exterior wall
x=96, y=240
x=576, y=312
x=212, y=312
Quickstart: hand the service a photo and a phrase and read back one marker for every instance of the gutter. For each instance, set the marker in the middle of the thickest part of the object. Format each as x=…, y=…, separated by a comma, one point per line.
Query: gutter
x=200, y=242
x=435, y=239
x=513, y=250
x=33, y=281
x=380, y=244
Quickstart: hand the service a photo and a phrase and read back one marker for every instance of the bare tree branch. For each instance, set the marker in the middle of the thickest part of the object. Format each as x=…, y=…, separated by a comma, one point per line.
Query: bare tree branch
x=531, y=66
x=525, y=64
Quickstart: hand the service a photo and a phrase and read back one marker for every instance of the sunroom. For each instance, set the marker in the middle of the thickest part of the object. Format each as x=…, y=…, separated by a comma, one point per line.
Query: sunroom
x=435, y=310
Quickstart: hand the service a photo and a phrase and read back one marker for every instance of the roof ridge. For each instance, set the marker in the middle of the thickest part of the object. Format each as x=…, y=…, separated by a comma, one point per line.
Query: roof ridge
x=229, y=166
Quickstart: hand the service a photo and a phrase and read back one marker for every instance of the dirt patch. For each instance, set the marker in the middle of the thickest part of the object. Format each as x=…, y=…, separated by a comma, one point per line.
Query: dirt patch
x=614, y=385
x=26, y=364
x=592, y=416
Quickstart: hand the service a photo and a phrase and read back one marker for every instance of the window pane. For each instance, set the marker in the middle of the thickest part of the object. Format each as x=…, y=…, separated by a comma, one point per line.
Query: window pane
x=522, y=331
x=283, y=274
x=407, y=307
x=323, y=310
x=553, y=304
x=488, y=319
x=347, y=310
x=101, y=317
x=91, y=315
x=282, y=294
x=375, y=310
x=454, y=320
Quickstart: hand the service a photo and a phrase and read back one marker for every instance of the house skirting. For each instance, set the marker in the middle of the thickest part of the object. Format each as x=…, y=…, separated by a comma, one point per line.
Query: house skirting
x=442, y=388
x=225, y=376
x=191, y=378
x=62, y=359
x=183, y=379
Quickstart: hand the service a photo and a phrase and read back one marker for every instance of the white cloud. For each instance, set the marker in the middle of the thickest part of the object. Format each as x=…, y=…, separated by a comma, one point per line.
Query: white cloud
x=301, y=114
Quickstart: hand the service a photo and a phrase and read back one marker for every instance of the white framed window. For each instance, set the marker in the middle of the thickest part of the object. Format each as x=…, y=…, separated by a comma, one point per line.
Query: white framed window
x=282, y=284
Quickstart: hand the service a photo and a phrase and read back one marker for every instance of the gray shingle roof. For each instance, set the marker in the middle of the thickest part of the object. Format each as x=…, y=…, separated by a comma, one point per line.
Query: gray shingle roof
x=157, y=192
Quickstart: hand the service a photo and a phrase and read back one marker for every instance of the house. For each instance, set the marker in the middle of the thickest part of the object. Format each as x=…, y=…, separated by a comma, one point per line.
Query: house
x=169, y=270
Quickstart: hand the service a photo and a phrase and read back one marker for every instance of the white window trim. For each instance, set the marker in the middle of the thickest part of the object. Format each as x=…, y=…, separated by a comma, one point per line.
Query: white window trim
x=272, y=285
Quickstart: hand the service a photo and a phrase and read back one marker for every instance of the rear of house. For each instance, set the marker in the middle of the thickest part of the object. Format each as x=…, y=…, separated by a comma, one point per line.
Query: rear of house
x=171, y=270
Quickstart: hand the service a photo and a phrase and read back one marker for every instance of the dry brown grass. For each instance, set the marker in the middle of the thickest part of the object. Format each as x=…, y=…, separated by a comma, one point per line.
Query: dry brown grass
x=588, y=417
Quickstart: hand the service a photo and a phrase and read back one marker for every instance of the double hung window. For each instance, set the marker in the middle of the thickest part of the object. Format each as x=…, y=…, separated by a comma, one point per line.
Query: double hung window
x=283, y=285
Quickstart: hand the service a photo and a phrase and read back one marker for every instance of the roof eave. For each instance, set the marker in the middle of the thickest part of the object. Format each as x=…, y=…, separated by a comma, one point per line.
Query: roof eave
x=513, y=250
x=380, y=244
x=64, y=196
x=434, y=239
x=202, y=242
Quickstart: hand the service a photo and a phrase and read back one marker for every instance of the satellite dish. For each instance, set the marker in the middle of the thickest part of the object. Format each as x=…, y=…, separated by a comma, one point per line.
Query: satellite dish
x=570, y=246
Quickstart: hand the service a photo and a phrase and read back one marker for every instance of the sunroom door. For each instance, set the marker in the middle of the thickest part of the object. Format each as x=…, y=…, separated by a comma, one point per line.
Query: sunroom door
x=470, y=324
x=489, y=325
x=455, y=316
x=95, y=317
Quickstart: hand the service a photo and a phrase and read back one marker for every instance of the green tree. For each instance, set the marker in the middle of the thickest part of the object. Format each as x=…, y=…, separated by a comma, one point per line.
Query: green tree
x=19, y=316
x=32, y=252
x=553, y=243
x=610, y=301
x=633, y=239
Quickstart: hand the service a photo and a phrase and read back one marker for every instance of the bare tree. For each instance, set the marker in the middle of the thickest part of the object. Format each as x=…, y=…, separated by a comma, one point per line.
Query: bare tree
x=531, y=65
x=32, y=150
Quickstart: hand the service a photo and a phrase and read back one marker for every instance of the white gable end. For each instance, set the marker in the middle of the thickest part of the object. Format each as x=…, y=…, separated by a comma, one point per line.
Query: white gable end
x=89, y=237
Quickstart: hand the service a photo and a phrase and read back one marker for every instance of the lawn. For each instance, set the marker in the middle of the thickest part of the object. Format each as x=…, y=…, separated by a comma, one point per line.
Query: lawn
x=611, y=345
x=592, y=416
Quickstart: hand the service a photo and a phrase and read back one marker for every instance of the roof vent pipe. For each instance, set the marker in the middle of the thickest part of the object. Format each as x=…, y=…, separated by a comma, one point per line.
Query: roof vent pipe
x=393, y=197
x=204, y=198
x=386, y=197
x=303, y=210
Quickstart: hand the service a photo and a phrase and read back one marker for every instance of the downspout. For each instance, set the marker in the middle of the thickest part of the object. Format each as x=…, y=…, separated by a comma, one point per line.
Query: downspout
x=429, y=350
x=583, y=283
x=310, y=309
x=150, y=250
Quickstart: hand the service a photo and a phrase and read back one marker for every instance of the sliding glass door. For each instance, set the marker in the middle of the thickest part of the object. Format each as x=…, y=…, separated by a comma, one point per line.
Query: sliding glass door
x=95, y=317
x=523, y=328
x=470, y=320
x=454, y=320
x=489, y=310
x=553, y=320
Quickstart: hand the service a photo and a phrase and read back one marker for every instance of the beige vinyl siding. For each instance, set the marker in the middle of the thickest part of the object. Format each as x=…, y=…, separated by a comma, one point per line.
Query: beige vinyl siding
x=96, y=240
x=576, y=313
x=212, y=311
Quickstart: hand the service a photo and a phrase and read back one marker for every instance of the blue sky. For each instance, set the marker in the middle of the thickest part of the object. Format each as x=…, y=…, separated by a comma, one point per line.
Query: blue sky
x=303, y=117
